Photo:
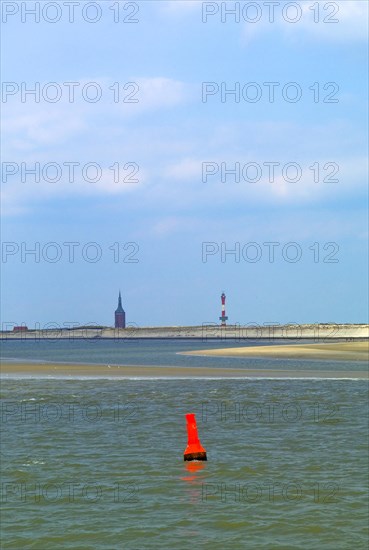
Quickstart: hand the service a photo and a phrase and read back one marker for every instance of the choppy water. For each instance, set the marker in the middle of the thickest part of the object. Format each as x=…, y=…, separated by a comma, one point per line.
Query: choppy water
x=98, y=464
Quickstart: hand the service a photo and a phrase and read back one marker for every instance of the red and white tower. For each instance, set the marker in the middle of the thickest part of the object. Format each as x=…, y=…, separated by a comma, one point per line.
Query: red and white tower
x=223, y=317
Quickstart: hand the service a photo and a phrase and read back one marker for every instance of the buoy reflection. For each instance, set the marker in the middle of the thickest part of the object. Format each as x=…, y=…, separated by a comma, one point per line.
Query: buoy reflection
x=192, y=468
x=195, y=479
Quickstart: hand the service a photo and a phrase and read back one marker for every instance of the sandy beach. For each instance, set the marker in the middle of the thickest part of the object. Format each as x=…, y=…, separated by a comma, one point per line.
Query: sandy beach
x=51, y=370
x=338, y=351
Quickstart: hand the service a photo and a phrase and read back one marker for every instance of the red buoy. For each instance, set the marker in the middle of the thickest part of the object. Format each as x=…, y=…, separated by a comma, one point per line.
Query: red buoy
x=194, y=449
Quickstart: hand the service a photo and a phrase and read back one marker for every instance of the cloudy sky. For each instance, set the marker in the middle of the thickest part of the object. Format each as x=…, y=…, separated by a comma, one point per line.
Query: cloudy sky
x=175, y=150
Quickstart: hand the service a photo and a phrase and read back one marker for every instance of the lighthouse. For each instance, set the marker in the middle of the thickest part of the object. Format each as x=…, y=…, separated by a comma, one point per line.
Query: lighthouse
x=223, y=317
x=120, y=314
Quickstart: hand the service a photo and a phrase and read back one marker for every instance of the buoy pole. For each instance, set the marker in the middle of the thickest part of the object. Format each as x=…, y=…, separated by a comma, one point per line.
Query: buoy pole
x=194, y=449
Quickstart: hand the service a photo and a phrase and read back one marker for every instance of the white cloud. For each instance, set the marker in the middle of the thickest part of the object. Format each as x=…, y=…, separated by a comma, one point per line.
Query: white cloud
x=352, y=17
x=29, y=124
x=185, y=169
x=339, y=21
x=18, y=197
x=187, y=177
x=170, y=156
x=180, y=7
x=160, y=92
x=169, y=225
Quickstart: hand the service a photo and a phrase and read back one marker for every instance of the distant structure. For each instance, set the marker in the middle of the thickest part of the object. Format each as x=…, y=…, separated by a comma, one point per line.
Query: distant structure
x=223, y=318
x=120, y=314
x=21, y=328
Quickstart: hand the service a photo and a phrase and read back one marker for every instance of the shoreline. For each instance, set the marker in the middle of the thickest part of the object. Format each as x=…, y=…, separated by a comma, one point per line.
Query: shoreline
x=70, y=371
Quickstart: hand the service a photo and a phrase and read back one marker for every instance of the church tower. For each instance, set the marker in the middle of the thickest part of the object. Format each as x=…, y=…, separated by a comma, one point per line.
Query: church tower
x=120, y=314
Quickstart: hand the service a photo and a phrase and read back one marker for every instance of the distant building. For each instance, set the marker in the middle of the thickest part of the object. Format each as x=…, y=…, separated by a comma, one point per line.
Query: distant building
x=21, y=328
x=120, y=314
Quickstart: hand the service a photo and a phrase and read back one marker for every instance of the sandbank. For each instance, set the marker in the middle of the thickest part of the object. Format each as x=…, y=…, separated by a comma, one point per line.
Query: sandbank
x=59, y=370
x=337, y=351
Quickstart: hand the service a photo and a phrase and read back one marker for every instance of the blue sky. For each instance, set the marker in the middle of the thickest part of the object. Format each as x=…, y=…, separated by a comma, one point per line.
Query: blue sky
x=168, y=209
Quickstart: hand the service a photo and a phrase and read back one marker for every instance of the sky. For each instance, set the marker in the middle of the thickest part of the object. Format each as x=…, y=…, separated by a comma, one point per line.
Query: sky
x=174, y=150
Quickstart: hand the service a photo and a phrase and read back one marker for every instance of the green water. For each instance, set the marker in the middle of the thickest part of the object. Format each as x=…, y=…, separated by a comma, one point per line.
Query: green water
x=98, y=464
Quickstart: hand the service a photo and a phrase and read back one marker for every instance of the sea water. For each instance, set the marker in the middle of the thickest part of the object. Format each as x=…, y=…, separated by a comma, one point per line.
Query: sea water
x=98, y=464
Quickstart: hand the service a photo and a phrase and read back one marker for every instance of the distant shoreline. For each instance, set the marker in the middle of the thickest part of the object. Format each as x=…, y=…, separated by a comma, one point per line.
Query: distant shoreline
x=238, y=333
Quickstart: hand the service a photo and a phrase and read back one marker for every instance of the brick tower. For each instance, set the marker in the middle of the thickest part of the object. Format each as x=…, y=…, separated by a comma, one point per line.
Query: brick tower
x=120, y=314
